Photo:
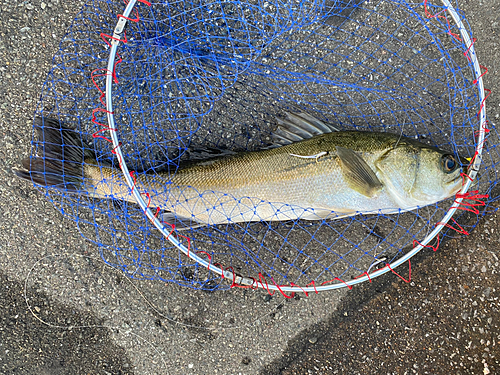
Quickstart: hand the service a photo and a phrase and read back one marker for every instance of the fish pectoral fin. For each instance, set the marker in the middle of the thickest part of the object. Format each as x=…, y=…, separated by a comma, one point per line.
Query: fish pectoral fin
x=357, y=173
x=180, y=223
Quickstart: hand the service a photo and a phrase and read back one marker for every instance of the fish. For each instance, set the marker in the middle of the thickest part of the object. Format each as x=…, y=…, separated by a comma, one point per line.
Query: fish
x=312, y=172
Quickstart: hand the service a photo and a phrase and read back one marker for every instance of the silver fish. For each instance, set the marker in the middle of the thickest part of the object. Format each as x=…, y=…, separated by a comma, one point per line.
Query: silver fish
x=316, y=173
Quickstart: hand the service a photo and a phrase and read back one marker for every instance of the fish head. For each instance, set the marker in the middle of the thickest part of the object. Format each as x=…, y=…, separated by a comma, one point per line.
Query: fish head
x=438, y=176
x=419, y=175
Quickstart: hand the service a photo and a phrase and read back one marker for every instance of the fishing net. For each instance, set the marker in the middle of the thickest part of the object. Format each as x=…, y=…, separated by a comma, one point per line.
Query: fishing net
x=188, y=75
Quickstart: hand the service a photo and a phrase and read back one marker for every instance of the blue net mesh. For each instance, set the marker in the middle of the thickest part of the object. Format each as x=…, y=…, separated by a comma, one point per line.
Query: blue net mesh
x=197, y=74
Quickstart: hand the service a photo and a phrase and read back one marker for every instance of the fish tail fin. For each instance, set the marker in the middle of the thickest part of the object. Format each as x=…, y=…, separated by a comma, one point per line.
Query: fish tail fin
x=60, y=160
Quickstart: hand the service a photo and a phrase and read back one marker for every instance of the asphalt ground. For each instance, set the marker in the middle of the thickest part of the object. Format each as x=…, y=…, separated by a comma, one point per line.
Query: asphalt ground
x=444, y=321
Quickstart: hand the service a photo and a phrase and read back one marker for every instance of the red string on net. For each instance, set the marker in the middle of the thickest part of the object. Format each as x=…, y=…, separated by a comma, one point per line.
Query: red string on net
x=281, y=290
x=262, y=280
x=298, y=286
x=471, y=207
x=313, y=283
x=255, y=284
x=135, y=11
x=473, y=196
x=480, y=145
x=336, y=279
x=364, y=273
x=433, y=247
x=113, y=151
x=265, y=285
x=171, y=226
x=93, y=76
x=95, y=121
x=397, y=274
x=488, y=93
x=105, y=37
x=104, y=127
x=234, y=284
x=188, y=242
x=484, y=128
x=155, y=215
x=466, y=53
x=96, y=134
x=261, y=277
x=177, y=235
x=482, y=67
x=458, y=230
x=118, y=60
x=132, y=174
x=439, y=15
x=208, y=256
x=473, y=159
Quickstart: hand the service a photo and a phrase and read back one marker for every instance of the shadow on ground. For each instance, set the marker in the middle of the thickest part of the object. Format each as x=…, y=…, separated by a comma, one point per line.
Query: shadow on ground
x=27, y=346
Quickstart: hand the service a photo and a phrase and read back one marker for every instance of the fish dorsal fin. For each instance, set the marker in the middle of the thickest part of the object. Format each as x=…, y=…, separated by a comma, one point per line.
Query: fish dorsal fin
x=207, y=152
x=357, y=173
x=199, y=155
x=299, y=126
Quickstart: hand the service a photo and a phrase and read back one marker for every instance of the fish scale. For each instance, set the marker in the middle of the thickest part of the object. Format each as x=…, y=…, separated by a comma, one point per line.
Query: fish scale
x=330, y=175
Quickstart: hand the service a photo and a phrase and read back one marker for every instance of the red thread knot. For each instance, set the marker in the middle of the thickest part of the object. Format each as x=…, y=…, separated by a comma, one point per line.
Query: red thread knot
x=434, y=248
x=458, y=230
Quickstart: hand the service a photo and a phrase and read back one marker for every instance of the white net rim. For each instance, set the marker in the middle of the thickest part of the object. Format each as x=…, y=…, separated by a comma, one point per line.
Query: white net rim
x=253, y=283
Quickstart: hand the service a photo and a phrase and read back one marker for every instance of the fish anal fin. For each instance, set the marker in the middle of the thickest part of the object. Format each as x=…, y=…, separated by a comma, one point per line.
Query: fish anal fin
x=358, y=173
x=323, y=214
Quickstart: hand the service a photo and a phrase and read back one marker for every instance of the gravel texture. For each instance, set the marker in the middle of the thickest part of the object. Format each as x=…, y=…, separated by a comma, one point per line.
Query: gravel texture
x=445, y=322
x=154, y=328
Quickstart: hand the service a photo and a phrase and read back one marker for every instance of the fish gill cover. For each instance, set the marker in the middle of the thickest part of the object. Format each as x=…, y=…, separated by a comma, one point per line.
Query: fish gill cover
x=193, y=75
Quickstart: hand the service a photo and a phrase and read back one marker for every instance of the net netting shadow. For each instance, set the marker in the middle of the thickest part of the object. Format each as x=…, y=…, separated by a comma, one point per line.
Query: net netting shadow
x=196, y=75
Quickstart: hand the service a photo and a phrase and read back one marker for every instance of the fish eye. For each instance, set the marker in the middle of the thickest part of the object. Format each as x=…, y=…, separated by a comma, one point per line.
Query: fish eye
x=449, y=163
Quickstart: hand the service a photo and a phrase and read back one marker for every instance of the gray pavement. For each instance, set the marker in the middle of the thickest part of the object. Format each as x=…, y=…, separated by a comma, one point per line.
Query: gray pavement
x=96, y=321
x=446, y=321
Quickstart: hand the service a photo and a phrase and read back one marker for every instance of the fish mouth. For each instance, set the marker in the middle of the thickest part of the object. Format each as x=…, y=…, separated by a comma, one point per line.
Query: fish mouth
x=457, y=178
x=455, y=183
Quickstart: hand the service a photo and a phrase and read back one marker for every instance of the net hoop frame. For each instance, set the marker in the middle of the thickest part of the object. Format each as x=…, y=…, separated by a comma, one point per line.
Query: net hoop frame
x=246, y=282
